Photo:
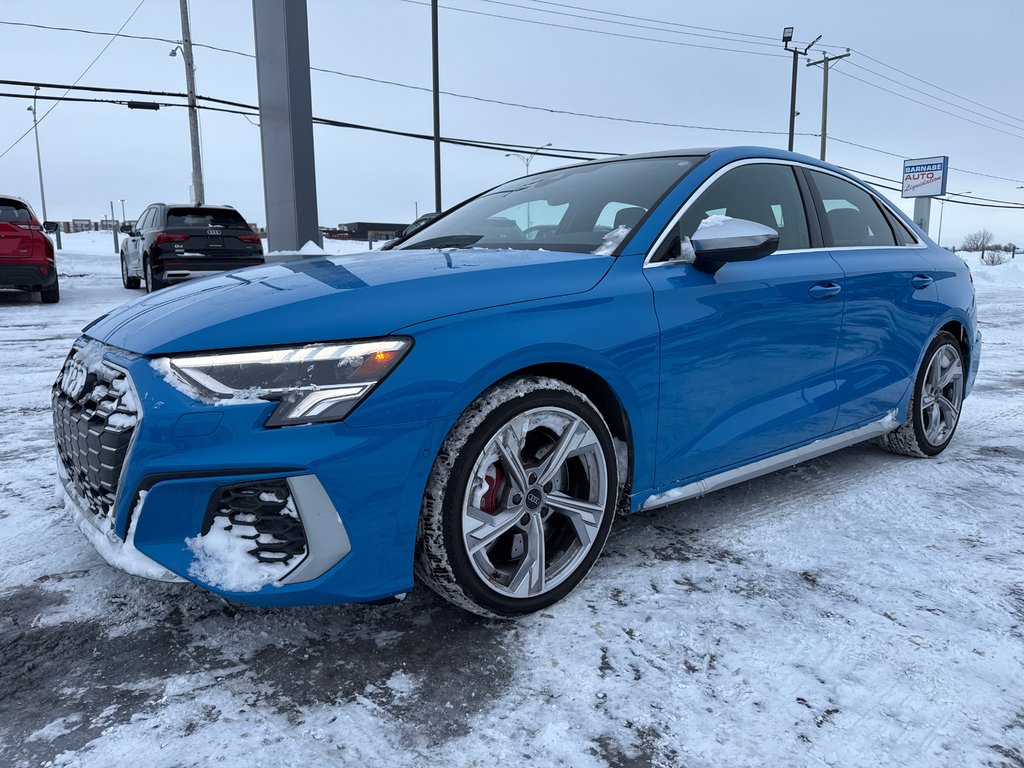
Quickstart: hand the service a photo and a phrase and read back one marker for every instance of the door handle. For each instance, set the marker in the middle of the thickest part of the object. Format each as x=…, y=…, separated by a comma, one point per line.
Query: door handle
x=921, y=281
x=827, y=290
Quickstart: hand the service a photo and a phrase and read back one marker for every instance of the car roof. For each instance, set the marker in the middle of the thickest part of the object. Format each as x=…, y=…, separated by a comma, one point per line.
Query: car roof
x=15, y=197
x=193, y=205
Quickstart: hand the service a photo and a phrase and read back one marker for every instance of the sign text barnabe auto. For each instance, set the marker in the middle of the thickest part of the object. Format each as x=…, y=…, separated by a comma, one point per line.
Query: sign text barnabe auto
x=925, y=177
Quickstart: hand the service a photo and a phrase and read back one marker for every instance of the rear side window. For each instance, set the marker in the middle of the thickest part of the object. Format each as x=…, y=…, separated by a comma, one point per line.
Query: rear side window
x=766, y=193
x=851, y=214
x=205, y=217
x=903, y=234
x=13, y=211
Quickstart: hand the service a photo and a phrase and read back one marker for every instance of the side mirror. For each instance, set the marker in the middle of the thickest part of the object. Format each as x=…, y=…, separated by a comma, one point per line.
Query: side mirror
x=50, y=227
x=126, y=229
x=720, y=239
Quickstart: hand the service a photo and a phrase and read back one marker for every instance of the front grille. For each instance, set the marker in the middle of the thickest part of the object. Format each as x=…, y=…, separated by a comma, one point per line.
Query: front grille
x=95, y=412
x=262, y=513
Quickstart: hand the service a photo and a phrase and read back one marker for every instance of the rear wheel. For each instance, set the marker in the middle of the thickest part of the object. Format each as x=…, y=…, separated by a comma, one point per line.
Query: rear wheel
x=935, y=403
x=152, y=284
x=50, y=295
x=520, y=499
x=127, y=280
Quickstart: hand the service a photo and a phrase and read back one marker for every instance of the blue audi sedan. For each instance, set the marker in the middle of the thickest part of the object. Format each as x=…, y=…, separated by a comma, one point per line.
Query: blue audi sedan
x=475, y=405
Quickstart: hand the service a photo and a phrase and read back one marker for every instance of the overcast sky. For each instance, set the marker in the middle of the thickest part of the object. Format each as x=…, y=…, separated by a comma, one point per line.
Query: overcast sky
x=96, y=153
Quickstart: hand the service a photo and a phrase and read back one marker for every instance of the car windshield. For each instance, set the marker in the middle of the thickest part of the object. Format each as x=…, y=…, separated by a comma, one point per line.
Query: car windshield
x=587, y=208
x=205, y=217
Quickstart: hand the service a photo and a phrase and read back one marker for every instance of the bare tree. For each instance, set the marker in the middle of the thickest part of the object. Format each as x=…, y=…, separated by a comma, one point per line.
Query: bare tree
x=978, y=241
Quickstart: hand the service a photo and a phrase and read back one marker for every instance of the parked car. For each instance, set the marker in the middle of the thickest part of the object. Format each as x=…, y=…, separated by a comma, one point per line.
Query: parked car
x=477, y=406
x=26, y=254
x=174, y=243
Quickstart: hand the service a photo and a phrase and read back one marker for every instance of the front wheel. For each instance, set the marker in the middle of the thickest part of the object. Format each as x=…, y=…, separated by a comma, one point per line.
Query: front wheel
x=520, y=499
x=127, y=280
x=935, y=404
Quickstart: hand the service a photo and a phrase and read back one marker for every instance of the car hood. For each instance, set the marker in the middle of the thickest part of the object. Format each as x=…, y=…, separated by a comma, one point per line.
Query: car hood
x=330, y=298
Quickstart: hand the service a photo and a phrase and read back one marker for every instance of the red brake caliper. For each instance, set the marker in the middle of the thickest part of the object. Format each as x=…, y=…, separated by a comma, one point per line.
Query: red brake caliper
x=489, y=501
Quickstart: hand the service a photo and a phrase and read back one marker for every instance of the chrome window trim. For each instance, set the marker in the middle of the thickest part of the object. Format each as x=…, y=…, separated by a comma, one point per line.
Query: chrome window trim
x=674, y=221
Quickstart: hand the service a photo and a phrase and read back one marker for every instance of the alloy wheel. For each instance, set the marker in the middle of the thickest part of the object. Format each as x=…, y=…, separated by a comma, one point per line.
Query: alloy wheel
x=942, y=394
x=535, y=502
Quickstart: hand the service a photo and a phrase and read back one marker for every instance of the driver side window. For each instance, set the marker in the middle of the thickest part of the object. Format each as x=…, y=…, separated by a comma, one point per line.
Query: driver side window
x=765, y=193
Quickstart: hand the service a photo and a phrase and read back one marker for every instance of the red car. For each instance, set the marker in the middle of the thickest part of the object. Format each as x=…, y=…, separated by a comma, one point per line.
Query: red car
x=26, y=253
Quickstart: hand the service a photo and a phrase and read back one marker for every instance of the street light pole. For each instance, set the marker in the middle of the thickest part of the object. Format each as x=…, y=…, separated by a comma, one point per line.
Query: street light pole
x=198, y=193
x=787, y=38
x=527, y=158
x=39, y=162
x=122, y=201
x=825, y=61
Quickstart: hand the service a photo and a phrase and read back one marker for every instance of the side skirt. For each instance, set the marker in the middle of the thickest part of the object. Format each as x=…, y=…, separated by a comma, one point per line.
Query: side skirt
x=772, y=463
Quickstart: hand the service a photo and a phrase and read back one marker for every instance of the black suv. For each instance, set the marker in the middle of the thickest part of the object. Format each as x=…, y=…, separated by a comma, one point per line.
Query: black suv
x=172, y=243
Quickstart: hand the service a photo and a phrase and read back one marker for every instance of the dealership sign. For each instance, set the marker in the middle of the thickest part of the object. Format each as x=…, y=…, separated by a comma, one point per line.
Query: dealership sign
x=925, y=177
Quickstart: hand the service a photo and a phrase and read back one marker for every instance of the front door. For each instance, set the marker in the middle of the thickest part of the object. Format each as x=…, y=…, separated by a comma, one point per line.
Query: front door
x=747, y=354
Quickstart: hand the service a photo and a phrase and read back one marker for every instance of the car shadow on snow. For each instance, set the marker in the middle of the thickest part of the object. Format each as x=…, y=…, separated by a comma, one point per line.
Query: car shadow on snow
x=426, y=665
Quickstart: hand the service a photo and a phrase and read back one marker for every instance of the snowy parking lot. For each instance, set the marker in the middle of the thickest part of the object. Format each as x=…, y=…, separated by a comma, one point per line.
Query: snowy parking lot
x=857, y=610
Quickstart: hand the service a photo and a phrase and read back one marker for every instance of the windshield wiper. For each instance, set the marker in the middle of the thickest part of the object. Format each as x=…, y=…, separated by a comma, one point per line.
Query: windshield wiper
x=448, y=241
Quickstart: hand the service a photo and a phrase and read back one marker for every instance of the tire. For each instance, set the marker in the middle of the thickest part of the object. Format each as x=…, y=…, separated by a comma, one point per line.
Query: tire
x=126, y=280
x=935, y=403
x=502, y=484
x=152, y=284
x=50, y=295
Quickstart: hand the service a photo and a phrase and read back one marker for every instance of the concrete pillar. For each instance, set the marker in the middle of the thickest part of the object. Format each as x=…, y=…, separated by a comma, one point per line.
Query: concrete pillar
x=286, y=122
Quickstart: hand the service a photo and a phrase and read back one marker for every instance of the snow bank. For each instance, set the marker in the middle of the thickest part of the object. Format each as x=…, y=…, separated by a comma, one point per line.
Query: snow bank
x=1010, y=274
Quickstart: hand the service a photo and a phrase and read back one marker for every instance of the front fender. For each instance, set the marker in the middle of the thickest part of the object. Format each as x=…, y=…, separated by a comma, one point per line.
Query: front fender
x=610, y=330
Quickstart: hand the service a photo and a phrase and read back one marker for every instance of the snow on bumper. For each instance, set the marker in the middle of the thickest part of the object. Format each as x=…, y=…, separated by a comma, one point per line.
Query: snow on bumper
x=120, y=553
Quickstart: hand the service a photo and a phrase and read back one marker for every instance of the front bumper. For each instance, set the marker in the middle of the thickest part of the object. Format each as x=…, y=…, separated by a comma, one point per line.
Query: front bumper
x=357, y=491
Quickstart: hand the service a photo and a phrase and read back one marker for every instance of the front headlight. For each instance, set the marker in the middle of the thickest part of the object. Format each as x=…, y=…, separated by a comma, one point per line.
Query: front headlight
x=314, y=382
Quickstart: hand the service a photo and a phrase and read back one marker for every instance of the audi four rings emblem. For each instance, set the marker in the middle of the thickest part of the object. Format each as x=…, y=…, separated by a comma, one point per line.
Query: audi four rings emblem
x=213, y=231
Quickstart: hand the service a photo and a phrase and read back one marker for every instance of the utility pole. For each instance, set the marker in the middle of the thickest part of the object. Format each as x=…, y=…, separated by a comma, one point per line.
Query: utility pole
x=39, y=162
x=825, y=61
x=198, y=193
x=437, y=109
x=787, y=38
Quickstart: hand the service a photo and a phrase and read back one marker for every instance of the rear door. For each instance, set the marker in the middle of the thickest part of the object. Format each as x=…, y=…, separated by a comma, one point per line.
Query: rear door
x=136, y=243
x=891, y=299
x=748, y=353
x=17, y=241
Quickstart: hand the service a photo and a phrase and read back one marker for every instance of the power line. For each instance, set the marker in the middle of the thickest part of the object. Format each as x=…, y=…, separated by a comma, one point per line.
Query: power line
x=937, y=87
x=769, y=41
x=773, y=40
x=558, y=153
x=539, y=108
x=929, y=106
x=930, y=96
x=596, y=31
x=659, y=28
x=83, y=74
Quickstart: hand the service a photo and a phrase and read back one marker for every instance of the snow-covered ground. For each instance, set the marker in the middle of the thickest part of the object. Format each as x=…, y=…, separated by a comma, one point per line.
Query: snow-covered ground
x=858, y=610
